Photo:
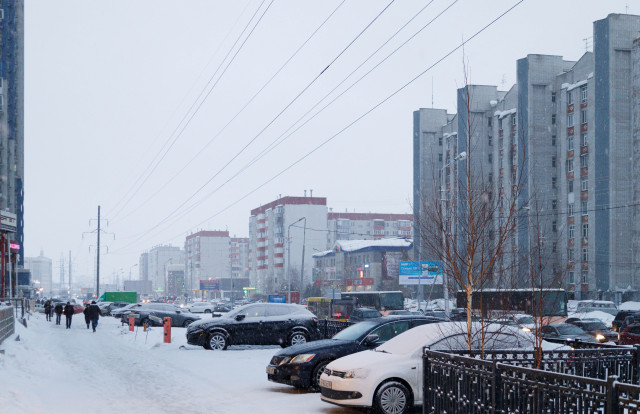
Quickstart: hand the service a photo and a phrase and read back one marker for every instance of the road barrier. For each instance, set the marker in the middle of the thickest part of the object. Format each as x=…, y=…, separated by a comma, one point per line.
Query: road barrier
x=573, y=381
x=167, y=330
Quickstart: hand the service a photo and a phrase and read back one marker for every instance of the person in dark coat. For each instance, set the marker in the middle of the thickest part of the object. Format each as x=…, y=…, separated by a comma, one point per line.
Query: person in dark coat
x=94, y=314
x=47, y=310
x=86, y=313
x=68, y=312
x=58, y=309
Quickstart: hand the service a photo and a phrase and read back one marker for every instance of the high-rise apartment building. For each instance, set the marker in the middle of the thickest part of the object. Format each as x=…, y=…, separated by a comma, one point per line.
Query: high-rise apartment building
x=283, y=235
x=207, y=256
x=158, y=258
x=565, y=140
x=41, y=272
x=239, y=256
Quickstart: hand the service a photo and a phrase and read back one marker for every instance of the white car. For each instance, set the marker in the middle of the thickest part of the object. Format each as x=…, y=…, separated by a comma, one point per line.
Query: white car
x=201, y=307
x=389, y=377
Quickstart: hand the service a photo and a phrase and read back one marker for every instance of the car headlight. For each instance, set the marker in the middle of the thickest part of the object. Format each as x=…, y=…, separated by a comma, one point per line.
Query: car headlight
x=302, y=358
x=357, y=373
x=600, y=337
x=524, y=328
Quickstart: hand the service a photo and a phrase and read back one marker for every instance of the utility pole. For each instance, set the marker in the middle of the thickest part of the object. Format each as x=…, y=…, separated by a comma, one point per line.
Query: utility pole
x=69, y=270
x=98, y=259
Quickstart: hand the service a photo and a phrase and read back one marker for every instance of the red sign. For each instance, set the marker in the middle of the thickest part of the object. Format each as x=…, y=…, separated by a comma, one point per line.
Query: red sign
x=363, y=281
x=295, y=297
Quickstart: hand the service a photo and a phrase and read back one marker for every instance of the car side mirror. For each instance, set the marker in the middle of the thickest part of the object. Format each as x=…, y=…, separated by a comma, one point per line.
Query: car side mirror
x=371, y=339
x=177, y=310
x=240, y=317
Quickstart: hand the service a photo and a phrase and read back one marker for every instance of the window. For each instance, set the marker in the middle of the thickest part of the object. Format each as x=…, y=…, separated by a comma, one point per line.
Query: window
x=554, y=204
x=585, y=230
x=572, y=229
x=553, y=119
x=572, y=277
x=553, y=161
x=440, y=157
x=513, y=119
x=501, y=181
x=499, y=123
x=584, y=140
x=585, y=276
x=554, y=226
x=490, y=139
x=490, y=177
x=501, y=161
x=583, y=116
x=569, y=98
x=490, y=158
x=490, y=121
x=440, y=141
x=570, y=144
x=585, y=255
x=553, y=96
x=570, y=210
x=584, y=160
x=585, y=184
x=583, y=94
x=570, y=120
x=553, y=140
x=569, y=165
x=570, y=187
x=583, y=208
x=554, y=182
x=571, y=255
x=554, y=247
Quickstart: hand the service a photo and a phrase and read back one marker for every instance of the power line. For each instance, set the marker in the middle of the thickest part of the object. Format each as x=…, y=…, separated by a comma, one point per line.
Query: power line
x=299, y=160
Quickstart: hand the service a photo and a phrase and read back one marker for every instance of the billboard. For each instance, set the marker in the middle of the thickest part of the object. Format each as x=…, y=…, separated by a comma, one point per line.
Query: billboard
x=211, y=284
x=8, y=221
x=409, y=273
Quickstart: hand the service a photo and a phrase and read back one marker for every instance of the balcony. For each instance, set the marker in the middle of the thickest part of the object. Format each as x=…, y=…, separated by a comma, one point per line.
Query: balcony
x=570, y=175
x=584, y=195
x=500, y=133
x=570, y=154
x=570, y=108
x=585, y=218
x=570, y=131
x=584, y=171
x=584, y=127
x=585, y=265
x=583, y=105
x=513, y=129
x=585, y=241
x=571, y=220
x=584, y=149
x=585, y=287
x=572, y=242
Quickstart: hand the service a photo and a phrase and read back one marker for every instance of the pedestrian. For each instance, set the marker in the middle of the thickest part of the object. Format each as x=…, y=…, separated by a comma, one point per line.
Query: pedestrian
x=47, y=310
x=58, y=309
x=68, y=312
x=86, y=313
x=94, y=314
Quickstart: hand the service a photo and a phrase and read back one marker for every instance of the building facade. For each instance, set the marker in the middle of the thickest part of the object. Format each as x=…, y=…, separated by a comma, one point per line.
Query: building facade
x=283, y=235
x=239, y=257
x=41, y=272
x=368, y=226
x=158, y=258
x=207, y=255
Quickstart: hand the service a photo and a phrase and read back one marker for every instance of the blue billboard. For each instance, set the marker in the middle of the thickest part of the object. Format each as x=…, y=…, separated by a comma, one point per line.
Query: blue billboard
x=424, y=272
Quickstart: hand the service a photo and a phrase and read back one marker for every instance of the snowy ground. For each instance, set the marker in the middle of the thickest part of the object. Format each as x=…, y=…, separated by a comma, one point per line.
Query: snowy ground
x=57, y=370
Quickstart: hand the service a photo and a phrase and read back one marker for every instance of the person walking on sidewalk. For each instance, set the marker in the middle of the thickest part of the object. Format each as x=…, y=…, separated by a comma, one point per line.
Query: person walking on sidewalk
x=47, y=310
x=94, y=314
x=86, y=313
x=58, y=309
x=68, y=312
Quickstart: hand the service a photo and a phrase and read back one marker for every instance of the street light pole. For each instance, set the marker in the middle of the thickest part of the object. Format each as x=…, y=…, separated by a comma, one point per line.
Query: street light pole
x=304, y=239
x=445, y=280
x=289, y=257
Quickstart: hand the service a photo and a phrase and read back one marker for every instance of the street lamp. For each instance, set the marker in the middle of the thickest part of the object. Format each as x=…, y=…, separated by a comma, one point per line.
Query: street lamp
x=289, y=255
x=445, y=281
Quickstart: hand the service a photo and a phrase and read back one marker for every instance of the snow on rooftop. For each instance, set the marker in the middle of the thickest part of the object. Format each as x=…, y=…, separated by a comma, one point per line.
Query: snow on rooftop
x=493, y=103
x=449, y=134
x=572, y=86
x=502, y=114
x=323, y=253
x=355, y=245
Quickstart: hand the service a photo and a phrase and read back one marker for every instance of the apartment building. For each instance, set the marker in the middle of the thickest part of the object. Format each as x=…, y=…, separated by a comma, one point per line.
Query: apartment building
x=157, y=260
x=367, y=226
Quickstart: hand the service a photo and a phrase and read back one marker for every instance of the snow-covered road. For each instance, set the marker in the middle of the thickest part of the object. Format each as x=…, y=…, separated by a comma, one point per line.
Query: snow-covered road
x=57, y=370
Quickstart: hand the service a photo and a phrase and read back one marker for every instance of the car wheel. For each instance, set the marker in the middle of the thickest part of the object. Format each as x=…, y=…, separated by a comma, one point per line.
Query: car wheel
x=207, y=311
x=218, y=341
x=187, y=323
x=392, y=398
x=298, y=338
x=315, y=376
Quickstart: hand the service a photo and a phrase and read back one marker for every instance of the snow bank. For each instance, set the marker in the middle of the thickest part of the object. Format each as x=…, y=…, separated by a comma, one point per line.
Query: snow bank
x=629, y=306
x=603, y=316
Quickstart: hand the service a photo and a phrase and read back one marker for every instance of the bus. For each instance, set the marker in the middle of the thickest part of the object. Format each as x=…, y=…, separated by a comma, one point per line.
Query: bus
x=382, y=301
x=321, y=307
x=498, y=302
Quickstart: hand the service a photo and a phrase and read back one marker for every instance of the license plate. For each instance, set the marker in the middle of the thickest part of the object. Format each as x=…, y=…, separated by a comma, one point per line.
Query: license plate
x=324, y=383
x=271, y=370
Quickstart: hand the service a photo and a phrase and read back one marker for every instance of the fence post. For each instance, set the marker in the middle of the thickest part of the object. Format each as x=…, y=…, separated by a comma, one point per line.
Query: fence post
x=612, y=395
x=496, y=392
x=425, y=371
x=636, y=365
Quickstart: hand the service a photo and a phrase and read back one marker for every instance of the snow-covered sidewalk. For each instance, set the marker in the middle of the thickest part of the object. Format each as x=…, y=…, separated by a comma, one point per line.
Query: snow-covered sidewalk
x=57, y=370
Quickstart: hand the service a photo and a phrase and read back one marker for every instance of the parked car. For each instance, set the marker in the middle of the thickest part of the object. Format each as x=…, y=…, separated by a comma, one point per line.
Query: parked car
x=201, y=307
x=389, y=378
x=565, y=332
x=360, y=314
x=107, y=307
x=597, y=329
x=435, y=314
x=256, y=324
x=142, y=313
x=117, y=313
x=403, y=312
x=629, y=335
x=583, y=306
x=521, y=320
x=301, y=365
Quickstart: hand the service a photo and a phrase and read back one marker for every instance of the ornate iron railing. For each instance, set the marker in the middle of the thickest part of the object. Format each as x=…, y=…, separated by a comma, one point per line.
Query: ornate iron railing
x=330, y=327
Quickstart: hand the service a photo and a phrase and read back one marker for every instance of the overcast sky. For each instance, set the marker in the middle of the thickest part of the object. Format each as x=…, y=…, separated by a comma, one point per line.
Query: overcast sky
x=128, y=106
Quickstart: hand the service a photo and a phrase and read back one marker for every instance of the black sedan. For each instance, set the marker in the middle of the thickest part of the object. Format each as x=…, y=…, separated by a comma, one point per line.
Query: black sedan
x=598, y=329
x=256, y=324
x=143, y=312
x=561, y=332
x=301, y=365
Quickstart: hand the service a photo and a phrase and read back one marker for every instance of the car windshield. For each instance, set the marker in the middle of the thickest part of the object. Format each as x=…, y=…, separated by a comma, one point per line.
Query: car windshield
x=592, y=326
x=569, y=330
x=526, y=320
x=355, y=331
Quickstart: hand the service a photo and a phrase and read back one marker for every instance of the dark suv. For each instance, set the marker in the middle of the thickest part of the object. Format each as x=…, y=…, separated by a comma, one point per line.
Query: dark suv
x=256, y=324
x=301, y=365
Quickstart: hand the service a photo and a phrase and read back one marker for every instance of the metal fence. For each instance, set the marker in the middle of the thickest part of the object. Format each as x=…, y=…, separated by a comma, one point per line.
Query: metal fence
x=329, y=327
x=7, y=322
x=571, y=381
x=21, y=305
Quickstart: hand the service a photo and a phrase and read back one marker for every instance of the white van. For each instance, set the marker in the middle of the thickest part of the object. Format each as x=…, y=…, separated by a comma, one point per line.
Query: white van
x=609, y=307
